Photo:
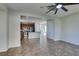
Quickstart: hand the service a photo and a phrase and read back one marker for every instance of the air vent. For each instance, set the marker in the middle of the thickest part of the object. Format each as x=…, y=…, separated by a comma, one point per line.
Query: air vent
x=29, y=17
x=23, y=17
x=32, y=17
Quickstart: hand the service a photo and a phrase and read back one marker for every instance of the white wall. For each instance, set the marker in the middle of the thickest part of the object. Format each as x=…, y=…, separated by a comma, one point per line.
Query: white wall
x=66, y=29
x=57, y=35
x=14, y=29
x=70, y=28
x=54, y=29
x=37, y=26
x=50, y=29
x=3, y=28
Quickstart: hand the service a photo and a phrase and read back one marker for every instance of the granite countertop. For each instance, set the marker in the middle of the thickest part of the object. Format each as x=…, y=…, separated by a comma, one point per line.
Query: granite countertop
x=29, y=32
x=34, y=32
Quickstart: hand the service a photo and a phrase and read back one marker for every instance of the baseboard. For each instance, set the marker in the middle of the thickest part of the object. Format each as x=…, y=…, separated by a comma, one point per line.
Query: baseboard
x=7, y=49
x=50, y=38
x=57, y=39
x=69, y=42
x=4, y=50
x=12, y=46
x=34, y=38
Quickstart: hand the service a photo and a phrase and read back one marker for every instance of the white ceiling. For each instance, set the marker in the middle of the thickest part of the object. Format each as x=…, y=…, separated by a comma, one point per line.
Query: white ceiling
x=35, y=8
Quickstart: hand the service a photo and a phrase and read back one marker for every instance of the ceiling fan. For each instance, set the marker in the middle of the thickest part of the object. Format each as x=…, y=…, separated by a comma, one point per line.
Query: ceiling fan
x=58, y=6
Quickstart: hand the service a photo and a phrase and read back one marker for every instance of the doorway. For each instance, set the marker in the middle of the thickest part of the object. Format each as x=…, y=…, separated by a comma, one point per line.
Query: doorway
x=25, y=28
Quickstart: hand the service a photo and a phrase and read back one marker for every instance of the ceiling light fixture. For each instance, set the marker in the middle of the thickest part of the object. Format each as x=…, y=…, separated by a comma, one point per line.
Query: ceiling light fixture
x=59, y=6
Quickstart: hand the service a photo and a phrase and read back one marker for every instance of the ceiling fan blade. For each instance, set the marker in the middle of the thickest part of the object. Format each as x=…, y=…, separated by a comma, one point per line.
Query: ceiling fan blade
x=69, y=3
x=56, y=11
x=64, y=9
x=51, y=6
x=50, y=10
x=47, y=6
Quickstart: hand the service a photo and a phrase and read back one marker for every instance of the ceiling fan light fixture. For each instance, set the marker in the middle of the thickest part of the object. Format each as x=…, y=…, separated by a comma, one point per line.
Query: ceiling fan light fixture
x=59, y=6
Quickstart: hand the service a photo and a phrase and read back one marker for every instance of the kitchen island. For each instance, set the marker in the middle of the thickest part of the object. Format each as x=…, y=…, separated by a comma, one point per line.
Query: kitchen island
x=32, y=35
